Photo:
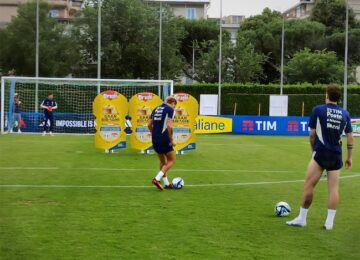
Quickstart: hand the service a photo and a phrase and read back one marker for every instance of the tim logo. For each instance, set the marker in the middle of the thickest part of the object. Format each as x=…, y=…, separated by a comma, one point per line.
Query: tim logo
x=181, y=97
x=248, y=125
x=145, y=96
x=110, y=94
x=293, y=126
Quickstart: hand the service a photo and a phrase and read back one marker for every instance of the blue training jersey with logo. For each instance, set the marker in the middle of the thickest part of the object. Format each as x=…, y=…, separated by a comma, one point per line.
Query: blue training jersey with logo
x=17, y=107
x=329, y=121
x=49, y=103
x=160, y=115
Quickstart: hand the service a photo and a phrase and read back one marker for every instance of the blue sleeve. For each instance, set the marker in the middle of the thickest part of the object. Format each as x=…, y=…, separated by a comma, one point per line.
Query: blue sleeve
x=152, y=113
x=170, y=113
x=348, y=127
x=312, y=121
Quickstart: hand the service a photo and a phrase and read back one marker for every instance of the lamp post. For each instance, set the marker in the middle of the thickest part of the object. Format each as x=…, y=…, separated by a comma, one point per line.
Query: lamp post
x=346, y=55
x=282, y=57
x=220, y=61
x=37, y=56
x=193, y=61
x=160, y=41
x=99, y=47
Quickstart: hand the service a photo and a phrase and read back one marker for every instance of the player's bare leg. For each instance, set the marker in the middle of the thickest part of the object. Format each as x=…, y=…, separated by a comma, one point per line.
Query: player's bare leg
x=333, y=198
x=170, y=161
x=162, y=159
x=161, y=174
x=163, y=162
x=313, y=176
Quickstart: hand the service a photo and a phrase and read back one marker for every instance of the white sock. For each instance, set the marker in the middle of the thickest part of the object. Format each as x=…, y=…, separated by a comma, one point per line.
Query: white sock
x=159, y=176
x=300, y=220
x=330, y=218
x=303, y=214
x=166, y=181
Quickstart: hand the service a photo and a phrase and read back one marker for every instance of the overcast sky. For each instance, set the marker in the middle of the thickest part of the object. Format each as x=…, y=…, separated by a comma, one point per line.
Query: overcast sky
x=248, y=7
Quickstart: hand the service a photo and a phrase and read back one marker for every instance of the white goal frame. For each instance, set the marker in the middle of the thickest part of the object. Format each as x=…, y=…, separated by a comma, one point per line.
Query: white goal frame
x=159, y=83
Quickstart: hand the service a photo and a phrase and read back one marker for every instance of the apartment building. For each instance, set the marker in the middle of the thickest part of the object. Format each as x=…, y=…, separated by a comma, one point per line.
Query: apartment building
x=62, y=10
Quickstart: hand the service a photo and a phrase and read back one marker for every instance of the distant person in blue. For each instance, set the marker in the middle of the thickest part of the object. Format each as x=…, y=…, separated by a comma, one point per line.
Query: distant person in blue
x=16, y=114
x=327, y=124
x=161, y=128
x=49, y=104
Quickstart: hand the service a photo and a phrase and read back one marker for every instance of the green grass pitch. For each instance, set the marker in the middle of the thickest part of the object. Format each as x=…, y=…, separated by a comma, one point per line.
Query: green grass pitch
x=84, y=204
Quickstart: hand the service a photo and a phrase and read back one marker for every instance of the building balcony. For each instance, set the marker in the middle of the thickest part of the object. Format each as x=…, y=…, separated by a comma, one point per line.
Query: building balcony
x=58, y=3
x=12, y=2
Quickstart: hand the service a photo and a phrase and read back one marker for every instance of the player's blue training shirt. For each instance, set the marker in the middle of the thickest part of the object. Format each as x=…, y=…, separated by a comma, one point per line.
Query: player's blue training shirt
x=330, y=121
x=160, y=115
x=48, y=103
x=17, y=107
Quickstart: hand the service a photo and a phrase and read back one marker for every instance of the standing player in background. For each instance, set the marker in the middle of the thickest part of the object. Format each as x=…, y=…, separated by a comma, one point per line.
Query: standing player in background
x=161, y=128
x=327, y=124
x=16, y=113
x=49, y=104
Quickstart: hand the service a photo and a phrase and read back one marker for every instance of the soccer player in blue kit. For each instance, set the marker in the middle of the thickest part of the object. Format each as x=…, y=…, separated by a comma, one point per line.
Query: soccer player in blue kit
x=327, y=124
x=49, y=104
x=161, y=128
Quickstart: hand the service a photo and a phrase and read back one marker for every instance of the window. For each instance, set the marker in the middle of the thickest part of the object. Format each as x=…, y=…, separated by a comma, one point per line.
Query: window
x=191, y=13
x=233, y=35
x=54, y=13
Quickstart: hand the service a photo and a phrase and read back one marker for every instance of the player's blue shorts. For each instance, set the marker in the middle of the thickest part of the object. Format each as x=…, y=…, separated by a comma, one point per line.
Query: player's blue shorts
x=162, y=146
x=328, y=160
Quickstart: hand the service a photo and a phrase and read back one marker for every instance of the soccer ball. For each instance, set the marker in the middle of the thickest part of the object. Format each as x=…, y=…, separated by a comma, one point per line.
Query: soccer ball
x=282, y=209
x=178, y=183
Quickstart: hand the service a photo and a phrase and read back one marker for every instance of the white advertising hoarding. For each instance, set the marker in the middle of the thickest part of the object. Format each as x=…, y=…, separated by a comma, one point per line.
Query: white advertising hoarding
x=208, y=105
x=278, y=105
x=356, y=126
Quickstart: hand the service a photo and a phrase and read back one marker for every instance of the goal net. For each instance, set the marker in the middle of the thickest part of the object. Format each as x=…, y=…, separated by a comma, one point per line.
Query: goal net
x=21, y=98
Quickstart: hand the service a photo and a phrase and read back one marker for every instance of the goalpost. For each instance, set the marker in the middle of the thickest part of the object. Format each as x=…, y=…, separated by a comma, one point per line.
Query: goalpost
x=74, y=97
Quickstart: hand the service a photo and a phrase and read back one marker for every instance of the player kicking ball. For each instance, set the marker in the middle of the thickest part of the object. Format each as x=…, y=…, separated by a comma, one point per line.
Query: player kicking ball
x=48, y=104
x=327, y=123
x=161, y=128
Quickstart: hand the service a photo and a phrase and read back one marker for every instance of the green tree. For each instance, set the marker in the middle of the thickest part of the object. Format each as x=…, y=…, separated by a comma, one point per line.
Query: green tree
x=247, y=62
x=303, y=33
x=240, y=63
x=264, y=32
x=58, y=51
x=314, y=67
x=197, y=32
x=207, y=65
x=130, y=31
x=336, y=42
x=332, y=14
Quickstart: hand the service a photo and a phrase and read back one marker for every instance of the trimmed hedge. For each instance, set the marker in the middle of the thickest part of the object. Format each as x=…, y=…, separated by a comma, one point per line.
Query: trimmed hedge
x=246, y=96
x=249, y=96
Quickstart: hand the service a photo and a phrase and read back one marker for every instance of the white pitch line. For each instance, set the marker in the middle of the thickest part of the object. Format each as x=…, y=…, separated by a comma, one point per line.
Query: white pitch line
x=142, y=187
x=150, y=170
x=252, y=145
x=70, y=186
x=183, y=170
x=29, y=168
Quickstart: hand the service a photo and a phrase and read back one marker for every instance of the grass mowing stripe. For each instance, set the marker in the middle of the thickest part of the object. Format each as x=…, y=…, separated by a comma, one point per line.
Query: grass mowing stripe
x=132, y=169
x=103, y=219
x=139, y=186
